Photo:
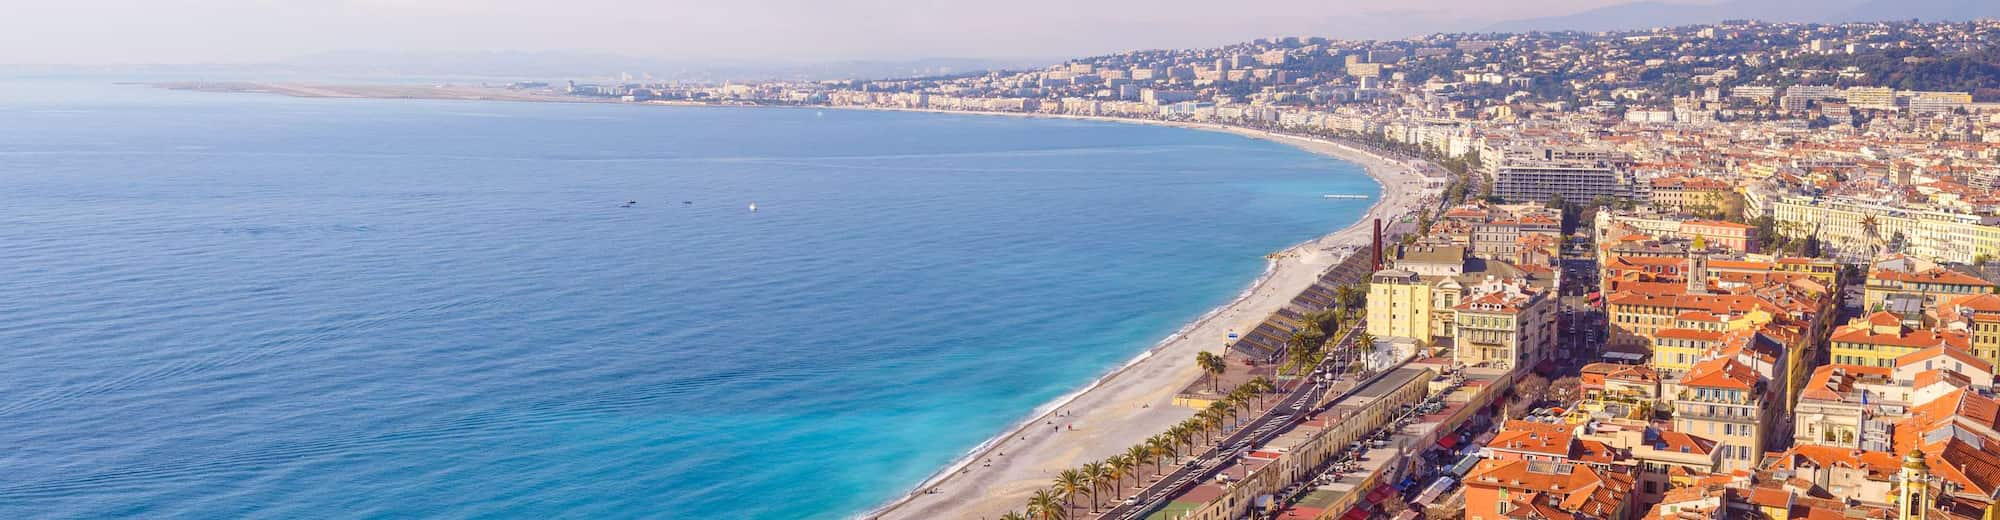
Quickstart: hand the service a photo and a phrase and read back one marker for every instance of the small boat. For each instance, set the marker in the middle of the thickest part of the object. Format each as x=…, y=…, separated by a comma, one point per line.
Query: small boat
x=1344, y=196
x=629, y=204
x=753, y=206
x=688, y=202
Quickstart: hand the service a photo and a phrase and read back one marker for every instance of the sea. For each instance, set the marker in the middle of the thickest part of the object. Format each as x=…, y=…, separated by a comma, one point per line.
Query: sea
x=254, y=306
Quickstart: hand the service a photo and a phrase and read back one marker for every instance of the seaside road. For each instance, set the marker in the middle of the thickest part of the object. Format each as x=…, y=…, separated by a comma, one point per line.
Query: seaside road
x=1297, y=404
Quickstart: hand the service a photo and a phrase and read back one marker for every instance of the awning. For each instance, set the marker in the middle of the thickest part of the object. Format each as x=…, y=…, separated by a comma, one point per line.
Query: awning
x=1449, y=441
x=1379, y=494
x=1465, y=465
x=1358, y=513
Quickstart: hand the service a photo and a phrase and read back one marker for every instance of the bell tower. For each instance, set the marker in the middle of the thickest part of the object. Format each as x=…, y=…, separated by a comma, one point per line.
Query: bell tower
x=1914, y=499
x=1697, y=271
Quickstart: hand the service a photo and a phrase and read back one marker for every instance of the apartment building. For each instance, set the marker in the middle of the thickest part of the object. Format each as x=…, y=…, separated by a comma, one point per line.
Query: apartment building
x=1730, y=402
x=1504, y=324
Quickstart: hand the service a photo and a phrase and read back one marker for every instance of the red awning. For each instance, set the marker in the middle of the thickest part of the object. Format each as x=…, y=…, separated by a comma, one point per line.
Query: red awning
x=1358, y=513
x=1449, y=441
x=1380, y=493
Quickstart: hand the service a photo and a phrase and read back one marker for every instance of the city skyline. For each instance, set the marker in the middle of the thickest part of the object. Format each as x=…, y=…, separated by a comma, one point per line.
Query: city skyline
x=124, y=32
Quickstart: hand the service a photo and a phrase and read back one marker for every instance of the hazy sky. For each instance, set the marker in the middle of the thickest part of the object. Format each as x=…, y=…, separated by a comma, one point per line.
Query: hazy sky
x=242, y=31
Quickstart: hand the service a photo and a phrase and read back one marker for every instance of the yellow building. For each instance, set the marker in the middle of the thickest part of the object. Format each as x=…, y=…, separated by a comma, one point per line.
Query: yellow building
x=1930, y=234
x=1676, y=350
x=1878, y=339
x=1977, y=316
x=1419, y=298
x=1399, y=305
x=1928, y=286
x=1822, y=271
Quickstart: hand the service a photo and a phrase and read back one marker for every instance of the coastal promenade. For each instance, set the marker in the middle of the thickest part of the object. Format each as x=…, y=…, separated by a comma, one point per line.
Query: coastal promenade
x=1305, y=397
x=1135, y=401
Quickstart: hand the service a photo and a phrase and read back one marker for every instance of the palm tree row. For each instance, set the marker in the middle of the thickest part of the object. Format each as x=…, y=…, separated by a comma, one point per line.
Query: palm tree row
x=1095, y=478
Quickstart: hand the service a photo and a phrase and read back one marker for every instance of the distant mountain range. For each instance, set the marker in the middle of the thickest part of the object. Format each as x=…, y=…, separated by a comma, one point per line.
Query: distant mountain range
x=1650, y=13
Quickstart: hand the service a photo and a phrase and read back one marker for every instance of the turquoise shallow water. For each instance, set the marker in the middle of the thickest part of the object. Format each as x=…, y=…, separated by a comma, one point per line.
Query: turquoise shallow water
x=246, y=306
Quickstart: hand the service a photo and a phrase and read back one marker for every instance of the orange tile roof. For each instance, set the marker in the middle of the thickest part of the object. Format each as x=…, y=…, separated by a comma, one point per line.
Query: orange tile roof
x=1739, y=264
x=1682, y=442
x=1935, y=275
x=1836, y=382
x=1539, y=438
x=1945, y=352
x=1907, y=339
x=1721, y=372
x=1584, y=490
x=1690, y=334
x=1877, y=464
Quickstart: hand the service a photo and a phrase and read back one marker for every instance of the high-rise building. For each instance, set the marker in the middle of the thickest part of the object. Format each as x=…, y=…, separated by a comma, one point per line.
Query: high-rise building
x=1575, y=180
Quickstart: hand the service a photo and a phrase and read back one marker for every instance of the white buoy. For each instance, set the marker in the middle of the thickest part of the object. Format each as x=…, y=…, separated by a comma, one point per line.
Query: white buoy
x=753, y=207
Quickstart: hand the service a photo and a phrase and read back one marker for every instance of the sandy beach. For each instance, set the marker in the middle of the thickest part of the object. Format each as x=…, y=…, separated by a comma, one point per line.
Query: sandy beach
x=1135, y=400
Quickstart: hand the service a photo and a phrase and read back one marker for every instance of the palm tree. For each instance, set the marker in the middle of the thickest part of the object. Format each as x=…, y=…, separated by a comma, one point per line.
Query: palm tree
x=1160, y=447
x=1349, y=296
x=1140, y=453
x=1260, y=387
x=1323, y=317
x=1299, y=357
x=1121, y=466
x=1099, y=477
x=1184, y=435
x=1235, y=395
x=1213, y=365
x=1226, y=409
x=1069, y=483
x=1012, y=516
x=1211, y=421
x=1241, y=407
x=1365, y=342
x=1047, y=505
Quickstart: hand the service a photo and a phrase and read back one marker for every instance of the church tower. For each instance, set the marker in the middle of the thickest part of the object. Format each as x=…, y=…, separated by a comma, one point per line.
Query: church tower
x=1914, y=499
x=1697, y=269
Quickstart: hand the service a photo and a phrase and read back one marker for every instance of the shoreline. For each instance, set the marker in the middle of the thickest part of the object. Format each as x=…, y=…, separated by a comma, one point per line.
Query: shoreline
x=1134, y=399
x=1002, y=489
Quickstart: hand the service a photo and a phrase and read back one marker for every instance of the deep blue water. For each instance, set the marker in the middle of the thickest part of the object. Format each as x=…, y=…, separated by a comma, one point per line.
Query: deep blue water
x=221, y=306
